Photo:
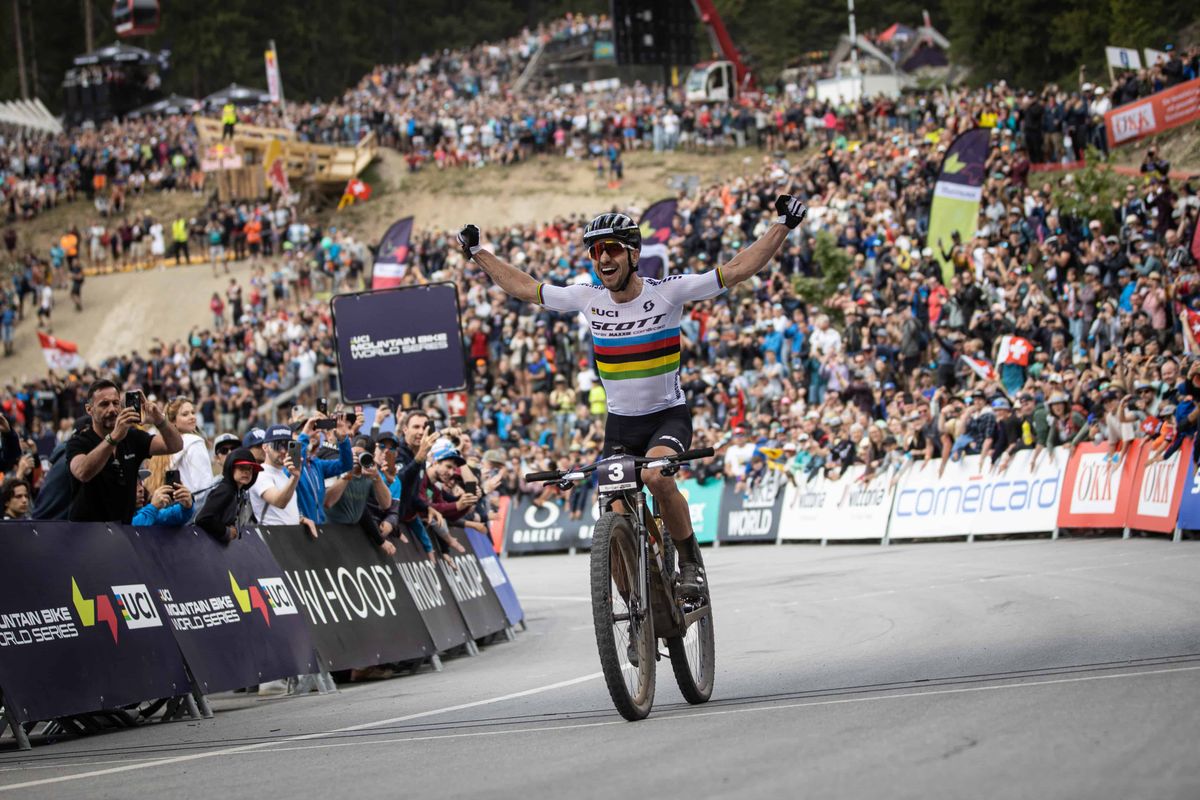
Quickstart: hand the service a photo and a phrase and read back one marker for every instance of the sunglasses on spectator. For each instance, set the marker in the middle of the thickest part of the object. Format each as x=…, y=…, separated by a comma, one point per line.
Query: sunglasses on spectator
x=610, y=246
x=224, y=451
x=279, y=447
x=387, y=446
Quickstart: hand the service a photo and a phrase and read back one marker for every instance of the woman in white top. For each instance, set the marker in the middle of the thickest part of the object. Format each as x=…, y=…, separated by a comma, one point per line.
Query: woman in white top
x=194, y=461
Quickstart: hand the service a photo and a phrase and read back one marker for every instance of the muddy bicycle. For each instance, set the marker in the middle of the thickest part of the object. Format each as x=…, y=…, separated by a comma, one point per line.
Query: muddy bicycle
x=634, y=586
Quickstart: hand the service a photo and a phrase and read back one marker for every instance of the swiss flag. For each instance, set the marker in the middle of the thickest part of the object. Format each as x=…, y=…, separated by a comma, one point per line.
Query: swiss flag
x=457, y=403
x=1014, y=350
x=59, y=353
x=981, y=367
x=1150, y=426
x=1193, y=321
x=357, y=189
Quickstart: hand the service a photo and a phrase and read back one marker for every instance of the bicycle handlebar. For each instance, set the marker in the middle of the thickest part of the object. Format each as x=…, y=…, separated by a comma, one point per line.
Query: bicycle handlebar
x=641, y=461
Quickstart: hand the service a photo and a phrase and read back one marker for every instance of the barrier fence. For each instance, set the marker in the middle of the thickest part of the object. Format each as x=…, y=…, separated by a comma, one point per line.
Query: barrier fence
x=97, y=617
x=922, y=500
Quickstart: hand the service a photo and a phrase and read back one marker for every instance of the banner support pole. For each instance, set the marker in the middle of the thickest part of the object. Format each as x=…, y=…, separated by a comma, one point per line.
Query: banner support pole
x=17, y=728
x=1125, y=533
x=435, y=661
x=202, y=702
x=1178, y=537
x=1054, y=533
x=193, y=710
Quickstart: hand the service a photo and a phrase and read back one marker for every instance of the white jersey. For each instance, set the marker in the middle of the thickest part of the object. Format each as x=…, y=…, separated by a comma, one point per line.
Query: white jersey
x=636, y=343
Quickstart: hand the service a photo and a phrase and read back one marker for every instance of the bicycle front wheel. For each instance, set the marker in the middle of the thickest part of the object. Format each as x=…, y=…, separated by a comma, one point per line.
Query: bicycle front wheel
x=693, y=655
x=621, y=613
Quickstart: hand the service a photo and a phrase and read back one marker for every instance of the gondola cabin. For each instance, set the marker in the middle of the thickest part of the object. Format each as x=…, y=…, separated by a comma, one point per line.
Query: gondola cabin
x=135, y=17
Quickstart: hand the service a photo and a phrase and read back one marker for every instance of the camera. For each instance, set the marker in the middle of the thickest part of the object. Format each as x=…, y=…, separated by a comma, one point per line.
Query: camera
x=366, y=461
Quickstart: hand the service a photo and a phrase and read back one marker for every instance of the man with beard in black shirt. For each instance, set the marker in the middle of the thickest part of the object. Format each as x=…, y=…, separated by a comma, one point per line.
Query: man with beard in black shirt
x=104, y=458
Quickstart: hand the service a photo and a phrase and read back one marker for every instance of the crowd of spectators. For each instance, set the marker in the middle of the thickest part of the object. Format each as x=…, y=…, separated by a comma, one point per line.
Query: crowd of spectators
x=1060, y=319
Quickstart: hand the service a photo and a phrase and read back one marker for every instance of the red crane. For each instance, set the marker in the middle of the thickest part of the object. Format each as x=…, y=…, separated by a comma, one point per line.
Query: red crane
x=723, y=43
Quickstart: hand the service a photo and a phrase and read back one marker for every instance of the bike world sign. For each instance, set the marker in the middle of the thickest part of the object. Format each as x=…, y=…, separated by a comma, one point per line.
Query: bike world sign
x=750, y=513
x=548, y=528
x=353, y=597
x=80, y=627
x=970, y=497
x=228, y=606
x=842, y=509
x=399, y=341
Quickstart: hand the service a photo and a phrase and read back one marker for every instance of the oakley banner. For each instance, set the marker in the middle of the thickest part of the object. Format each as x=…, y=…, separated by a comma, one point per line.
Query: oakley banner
x=497, y=576
x=80, y=628
x=399, y=341
x=228, y=605
x=846, y=508
x=474, y=593
x=433, y=598
x=750, y=513
x=350, y=594
x=548, y=528
x=973, y=498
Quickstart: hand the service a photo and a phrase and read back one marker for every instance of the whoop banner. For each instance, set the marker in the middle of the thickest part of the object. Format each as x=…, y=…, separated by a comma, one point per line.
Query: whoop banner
x=472, y=590
x=351, y=595
x=399, y=341
x=80, y=628
x=958, y=191
x=752, y=514
x=497, y=576
x=228, y=605
x=391, y=259
x=433, y=598
x=973, y=498
x=847, y=508
x=657, y=226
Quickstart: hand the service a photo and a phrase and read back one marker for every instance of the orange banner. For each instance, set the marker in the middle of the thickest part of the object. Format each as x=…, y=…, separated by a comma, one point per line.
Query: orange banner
x=1154, y=114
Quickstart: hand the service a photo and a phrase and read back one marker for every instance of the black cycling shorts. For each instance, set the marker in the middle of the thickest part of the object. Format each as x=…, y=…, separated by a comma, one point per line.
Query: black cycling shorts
x=671, y=427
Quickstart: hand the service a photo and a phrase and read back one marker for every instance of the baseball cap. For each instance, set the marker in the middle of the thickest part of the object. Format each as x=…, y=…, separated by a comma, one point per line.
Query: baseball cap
x=254, y=438
x=387, y=436
x=226, y=438
x=443, y=450
x=277, y=433
x=1001, y=402
x=494, y=456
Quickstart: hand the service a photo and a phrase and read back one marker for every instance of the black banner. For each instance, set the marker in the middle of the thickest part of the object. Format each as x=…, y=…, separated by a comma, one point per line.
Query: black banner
x=350, y=593
x=472, y=590
x=80, y=629
x=229, y=606
x=752, y=514
x=432, y=596
x=548, y=528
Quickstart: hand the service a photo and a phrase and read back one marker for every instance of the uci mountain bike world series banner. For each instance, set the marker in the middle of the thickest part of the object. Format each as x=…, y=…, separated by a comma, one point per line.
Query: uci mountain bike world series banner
x=657, y=227
x=957, y=193
x=391, y=260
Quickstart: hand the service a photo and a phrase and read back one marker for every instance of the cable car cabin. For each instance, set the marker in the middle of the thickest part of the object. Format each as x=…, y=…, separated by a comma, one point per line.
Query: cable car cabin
x=711, y=82
x=135, y=17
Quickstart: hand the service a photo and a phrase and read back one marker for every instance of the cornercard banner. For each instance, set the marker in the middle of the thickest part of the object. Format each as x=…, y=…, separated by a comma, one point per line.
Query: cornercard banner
x=751, y=513
x=350, y=594
x=229, y=606
x=974, y=498
x=1158, y=490
x=80, y=628
x=846, y=508
x=399, y=341
x=1096, y=490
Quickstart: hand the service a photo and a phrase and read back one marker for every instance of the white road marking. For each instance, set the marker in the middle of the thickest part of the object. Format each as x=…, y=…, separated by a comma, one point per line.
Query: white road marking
x=554, y=598
x=161, y=762
x=683, y=715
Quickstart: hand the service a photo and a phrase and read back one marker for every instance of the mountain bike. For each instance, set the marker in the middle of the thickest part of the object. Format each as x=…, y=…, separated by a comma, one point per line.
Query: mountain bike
x=634, y=585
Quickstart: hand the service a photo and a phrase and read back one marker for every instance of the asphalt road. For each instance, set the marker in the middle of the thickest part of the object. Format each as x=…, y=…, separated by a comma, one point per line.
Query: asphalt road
x=1025, y=668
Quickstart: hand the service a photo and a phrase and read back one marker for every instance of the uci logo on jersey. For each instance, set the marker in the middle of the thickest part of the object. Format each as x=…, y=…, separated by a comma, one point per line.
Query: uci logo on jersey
x=604, y=312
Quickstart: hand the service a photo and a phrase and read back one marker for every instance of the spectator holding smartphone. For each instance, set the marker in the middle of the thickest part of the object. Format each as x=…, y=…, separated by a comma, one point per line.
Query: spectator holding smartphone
x=273, y=494
x=104, y=458
x=170, y=506
x=193, y=461
x=315, y=471
x=229, y=507
x=410, y=463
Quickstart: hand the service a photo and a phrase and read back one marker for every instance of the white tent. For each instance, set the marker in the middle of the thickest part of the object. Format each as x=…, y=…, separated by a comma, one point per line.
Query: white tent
x=30, y=115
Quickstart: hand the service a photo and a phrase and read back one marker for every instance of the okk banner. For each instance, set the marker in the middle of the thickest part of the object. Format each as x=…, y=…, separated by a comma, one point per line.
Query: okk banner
x=751, y=513
x=846, y=508
x=1158, y=490
x=973, y=498
x=1098, y=489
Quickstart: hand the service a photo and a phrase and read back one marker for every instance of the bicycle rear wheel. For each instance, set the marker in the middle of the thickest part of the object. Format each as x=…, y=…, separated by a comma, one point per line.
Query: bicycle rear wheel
x=623, y=622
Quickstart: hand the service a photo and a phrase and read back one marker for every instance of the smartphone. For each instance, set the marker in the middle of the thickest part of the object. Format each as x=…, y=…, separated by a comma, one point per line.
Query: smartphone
x=293, y=451
x=172, y=477
x=327, y=424
x=134, y=400
x=322, y=405
x=471, y=487
x=350, y=416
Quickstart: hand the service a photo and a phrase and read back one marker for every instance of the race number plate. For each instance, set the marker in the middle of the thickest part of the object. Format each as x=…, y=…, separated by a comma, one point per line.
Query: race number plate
x=617, y=475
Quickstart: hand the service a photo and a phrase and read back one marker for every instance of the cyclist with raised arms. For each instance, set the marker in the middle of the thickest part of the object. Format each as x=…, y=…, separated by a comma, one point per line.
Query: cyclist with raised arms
x=635, y=335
